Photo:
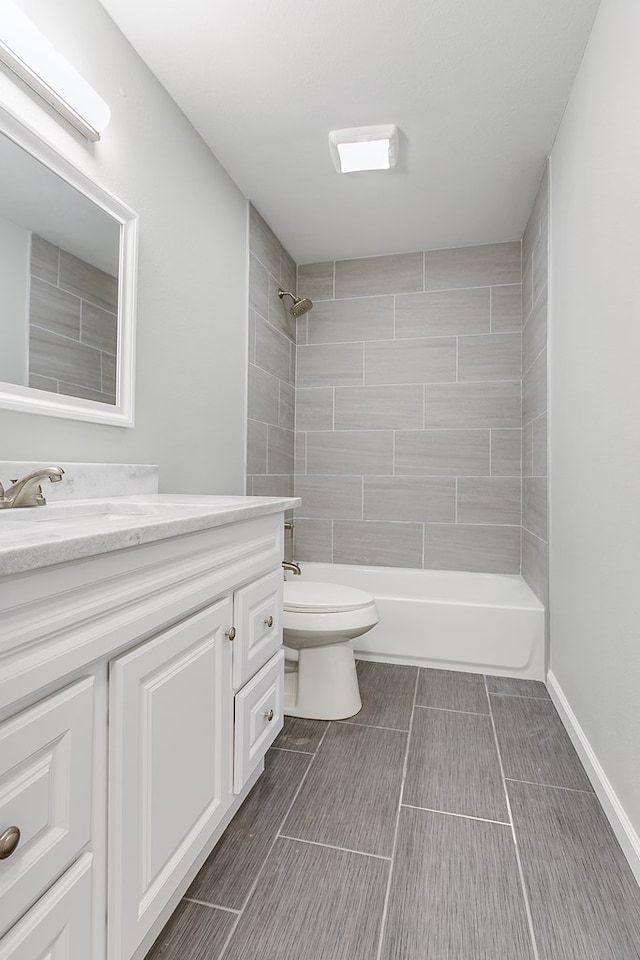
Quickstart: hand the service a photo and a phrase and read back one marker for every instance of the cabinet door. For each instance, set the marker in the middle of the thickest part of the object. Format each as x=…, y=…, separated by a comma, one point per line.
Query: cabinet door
x=58, y=927
x=170, y=766
x=45, y=791
x=258, y=621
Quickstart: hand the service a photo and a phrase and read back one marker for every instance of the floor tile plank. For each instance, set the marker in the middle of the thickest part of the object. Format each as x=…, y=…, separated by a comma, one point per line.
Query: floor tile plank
x=350, y=797
x=300, y=734
x=227, y=875
x=313, y=903
x=515, y=687
x=455, y=892
x=452, y=690
x=387, y=692
x=534, y=745
x=453, y=765
x=194, y=932
x=584, y=899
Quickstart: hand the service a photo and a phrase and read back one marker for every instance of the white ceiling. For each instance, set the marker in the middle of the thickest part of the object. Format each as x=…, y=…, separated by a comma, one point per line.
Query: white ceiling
x=477, y=88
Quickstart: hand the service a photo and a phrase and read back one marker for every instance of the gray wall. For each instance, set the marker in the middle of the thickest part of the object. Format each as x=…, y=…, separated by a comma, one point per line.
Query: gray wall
x=272, y=357
x=594, y=346
x=535, y=536
x=408, y=410
x=192, y=307
x=73, y=325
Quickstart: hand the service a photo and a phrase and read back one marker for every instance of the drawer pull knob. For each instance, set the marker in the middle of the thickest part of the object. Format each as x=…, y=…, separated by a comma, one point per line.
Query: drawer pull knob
x=231, y=633
x=10, y=839
x=269, y=715
x=269, y=622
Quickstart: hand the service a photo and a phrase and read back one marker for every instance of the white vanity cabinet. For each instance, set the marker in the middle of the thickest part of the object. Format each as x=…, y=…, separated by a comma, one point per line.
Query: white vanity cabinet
x=139, y=692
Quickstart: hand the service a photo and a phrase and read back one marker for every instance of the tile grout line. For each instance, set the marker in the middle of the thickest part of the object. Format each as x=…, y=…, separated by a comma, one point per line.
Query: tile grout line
x=450, y=813
x=212, y=906
x=332, y=846
x=523, y=885
x=468, y=713
x=271, y=846
x=387, y=895
x=373, y=726
x=550, y=786
x=305, y=753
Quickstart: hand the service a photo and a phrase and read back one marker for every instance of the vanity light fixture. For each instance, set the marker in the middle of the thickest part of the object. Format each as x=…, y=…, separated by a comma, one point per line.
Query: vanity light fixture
x=364, y=148
x=33, y=58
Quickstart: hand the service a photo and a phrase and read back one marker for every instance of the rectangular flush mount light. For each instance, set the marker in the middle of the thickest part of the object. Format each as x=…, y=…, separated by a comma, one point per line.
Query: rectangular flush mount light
x=364, y=148
x=26, y=51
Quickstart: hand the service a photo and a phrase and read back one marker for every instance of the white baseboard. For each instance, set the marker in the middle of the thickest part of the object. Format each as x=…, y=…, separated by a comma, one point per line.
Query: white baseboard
x=622, y=826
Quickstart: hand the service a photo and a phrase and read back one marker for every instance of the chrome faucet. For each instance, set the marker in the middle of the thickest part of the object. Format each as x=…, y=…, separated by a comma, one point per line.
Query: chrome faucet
x=27, y=492
x=293, y=567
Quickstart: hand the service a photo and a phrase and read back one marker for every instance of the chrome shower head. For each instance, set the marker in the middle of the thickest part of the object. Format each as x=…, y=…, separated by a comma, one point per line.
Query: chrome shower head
x=301, y=305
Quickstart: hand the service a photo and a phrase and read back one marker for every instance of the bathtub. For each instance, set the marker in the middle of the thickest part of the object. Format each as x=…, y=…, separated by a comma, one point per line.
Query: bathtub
x=481, y=622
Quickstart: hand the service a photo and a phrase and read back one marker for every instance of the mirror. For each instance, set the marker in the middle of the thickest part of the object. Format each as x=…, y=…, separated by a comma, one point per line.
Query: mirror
x=67, y=286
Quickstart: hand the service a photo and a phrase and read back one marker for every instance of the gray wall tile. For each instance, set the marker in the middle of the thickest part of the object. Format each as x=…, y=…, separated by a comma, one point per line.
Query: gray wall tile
x=279, y=315
x=489, y=500
x=447, y=313
x=288, y=270
x=534, y=505
x=376, y=542
x=44, y=259
x=99, y=328
x=315, y=280
x=379, y=407
x=410, y=361
x=279, y=450
x=300, y=453
x=398, y=273
x=258, y=287
x=442, y=452
x=55, y=310
x=313, y=539
x=109, y=373
x=264, y=395
x=535, y=564
x=539, y=446
x=506, y=308
x=410, y=498
x=534, y=334
x=256, y=447
x=273, y=350
x=527, y=449
x=274, y=485
x=486, y=404
x=324, y=365
x=330, y=497
x=506, y=453
x=338, y=321
x=287, y=410
x=480, y=547
x=496, y=356
x=486, y=265
x=350, y=451
x=534, y=389
x=64, y=359
x=263, y=243
x=87, y=281
x=540, y=263
x=314, y=408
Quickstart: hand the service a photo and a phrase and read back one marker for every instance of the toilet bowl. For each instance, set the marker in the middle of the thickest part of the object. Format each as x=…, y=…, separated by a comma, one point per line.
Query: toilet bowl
x=319, y=620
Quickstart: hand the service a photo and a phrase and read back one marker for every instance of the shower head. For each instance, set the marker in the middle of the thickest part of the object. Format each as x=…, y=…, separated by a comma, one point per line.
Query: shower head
x=301, y=305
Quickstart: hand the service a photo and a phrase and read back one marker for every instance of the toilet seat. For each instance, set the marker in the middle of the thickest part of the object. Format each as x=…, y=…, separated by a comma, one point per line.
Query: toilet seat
x=323, y=598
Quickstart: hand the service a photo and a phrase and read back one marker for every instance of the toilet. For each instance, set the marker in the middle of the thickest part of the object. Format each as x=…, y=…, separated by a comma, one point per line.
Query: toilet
x=319, y=620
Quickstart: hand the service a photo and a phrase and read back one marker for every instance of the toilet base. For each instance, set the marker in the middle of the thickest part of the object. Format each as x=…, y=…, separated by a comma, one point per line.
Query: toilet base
x=325, y=684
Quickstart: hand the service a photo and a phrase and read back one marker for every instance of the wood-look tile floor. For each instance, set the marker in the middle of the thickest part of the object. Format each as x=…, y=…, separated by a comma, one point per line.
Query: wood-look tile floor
x=450, y=820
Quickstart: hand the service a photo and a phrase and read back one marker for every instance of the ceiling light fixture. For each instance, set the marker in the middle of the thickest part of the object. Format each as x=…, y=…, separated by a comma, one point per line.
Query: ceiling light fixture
x=364, y=148
x=28, y=53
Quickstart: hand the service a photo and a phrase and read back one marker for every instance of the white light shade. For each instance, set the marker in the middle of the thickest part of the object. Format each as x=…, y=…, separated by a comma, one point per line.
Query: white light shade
x=364, y=148
x=35, y=60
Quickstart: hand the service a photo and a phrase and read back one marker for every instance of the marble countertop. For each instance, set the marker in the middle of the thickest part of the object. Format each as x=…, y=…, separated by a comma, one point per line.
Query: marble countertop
x=36, y=537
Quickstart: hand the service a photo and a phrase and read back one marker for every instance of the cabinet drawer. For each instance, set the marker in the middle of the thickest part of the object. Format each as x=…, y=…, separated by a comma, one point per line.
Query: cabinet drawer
x=258, y=621
x=59, y=926
x=45, y=791
x=259, y=700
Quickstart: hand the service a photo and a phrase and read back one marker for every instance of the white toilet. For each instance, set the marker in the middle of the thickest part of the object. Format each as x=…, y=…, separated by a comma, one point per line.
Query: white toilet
x=320, y=672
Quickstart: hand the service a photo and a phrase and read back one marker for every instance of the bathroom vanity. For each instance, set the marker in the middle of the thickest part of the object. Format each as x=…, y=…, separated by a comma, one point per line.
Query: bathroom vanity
x=141, y=678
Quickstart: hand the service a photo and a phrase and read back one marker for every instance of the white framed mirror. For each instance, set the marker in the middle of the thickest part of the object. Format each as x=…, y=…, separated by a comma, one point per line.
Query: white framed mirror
x=68, y=257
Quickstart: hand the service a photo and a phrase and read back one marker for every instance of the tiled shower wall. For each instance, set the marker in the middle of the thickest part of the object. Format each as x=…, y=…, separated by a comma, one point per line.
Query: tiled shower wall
x=72, y=325
x=272, y=358
x=535, y=536
x=408, y=410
